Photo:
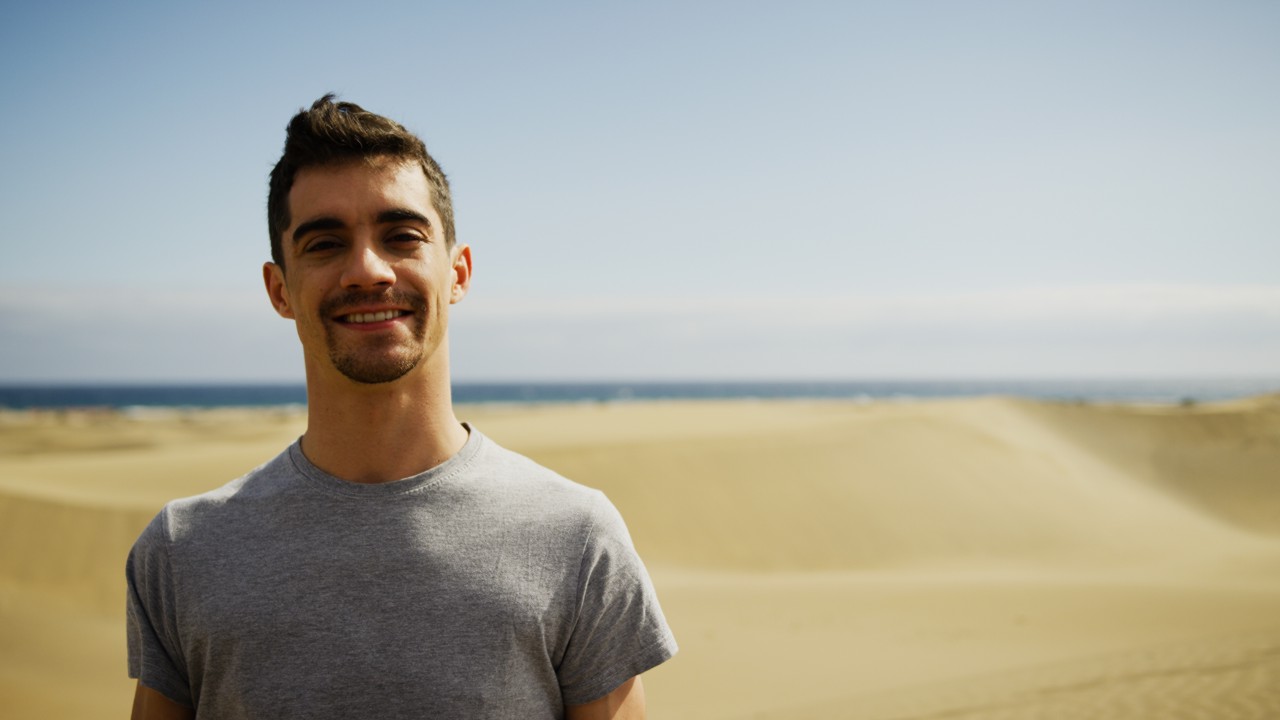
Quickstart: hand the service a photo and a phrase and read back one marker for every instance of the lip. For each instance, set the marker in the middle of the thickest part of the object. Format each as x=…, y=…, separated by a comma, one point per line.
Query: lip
x=403, y=308
x=397, y=314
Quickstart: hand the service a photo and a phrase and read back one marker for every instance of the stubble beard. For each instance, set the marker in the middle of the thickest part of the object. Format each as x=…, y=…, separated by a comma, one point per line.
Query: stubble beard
x=381, y=360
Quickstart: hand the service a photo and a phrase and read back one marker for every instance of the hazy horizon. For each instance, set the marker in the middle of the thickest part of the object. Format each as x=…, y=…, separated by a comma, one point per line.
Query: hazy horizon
x=982, y=189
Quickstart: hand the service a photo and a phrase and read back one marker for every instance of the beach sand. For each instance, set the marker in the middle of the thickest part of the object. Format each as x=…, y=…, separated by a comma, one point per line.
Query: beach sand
x=980, y=558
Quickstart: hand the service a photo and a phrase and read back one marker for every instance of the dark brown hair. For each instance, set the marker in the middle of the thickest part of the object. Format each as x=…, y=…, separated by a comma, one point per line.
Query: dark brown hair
x=332, y=133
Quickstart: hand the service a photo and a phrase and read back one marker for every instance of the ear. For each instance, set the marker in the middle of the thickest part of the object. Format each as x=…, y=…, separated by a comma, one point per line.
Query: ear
x=461, y=273
x=273, y=278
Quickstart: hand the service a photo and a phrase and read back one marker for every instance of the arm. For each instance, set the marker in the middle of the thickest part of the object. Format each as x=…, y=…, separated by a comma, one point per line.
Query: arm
x=151, y=705
x=624, y=703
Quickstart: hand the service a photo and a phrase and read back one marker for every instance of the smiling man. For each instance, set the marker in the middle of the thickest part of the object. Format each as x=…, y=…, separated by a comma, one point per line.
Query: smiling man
x=393, y=562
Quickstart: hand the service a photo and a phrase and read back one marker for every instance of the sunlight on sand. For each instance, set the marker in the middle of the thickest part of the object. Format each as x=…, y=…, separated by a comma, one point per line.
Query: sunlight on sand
x=988, y=558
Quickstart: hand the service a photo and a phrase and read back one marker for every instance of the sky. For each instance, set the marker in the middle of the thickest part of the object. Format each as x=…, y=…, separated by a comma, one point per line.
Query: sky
x=712, y=190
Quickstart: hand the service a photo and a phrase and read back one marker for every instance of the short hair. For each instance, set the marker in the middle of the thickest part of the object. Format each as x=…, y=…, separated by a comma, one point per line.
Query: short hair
x=334, y=133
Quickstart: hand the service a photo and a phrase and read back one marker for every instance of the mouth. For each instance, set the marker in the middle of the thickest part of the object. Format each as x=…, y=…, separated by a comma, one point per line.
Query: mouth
x=374, y=311
x=372, y=317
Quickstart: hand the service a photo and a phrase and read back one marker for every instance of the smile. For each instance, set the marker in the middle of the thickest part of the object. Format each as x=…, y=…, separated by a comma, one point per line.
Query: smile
x=373, y=317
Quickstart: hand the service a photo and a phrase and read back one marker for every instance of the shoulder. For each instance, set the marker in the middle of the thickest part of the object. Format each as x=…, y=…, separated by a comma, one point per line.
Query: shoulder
x=509, y=471
x=516, y=480
x=181, y=517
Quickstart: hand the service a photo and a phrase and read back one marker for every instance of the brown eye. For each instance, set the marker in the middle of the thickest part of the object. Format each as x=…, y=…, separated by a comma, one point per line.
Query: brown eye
x=405, y=238
x=321, y=244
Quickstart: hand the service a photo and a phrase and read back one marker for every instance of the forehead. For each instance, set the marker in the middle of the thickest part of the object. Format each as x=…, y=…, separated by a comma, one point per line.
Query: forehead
x=359, y=190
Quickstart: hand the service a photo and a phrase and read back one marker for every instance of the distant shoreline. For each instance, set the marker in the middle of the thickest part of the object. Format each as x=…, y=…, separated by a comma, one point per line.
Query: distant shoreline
x=52, y=396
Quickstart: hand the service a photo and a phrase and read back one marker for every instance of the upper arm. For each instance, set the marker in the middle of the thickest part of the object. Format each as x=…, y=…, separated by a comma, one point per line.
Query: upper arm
x=153, y=637
x=626, y=702
x=618, y=630
x=151, y=705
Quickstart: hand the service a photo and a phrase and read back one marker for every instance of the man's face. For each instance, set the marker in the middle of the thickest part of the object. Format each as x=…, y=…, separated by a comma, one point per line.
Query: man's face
x=367, y=275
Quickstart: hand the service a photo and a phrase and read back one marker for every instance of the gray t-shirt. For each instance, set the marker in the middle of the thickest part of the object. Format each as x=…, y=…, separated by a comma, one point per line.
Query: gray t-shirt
x=488, y=586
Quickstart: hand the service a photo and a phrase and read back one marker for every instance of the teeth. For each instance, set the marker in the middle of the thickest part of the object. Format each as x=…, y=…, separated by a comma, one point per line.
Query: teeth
x=372, y=317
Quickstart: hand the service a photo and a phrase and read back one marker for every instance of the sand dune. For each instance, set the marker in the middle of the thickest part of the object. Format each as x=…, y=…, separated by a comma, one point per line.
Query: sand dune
x=985, y=558
x=993, y=481
x=1223, y=460
x=1226, y=678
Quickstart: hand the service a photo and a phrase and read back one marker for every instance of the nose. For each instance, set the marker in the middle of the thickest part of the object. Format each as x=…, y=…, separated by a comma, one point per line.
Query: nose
x=366, y=268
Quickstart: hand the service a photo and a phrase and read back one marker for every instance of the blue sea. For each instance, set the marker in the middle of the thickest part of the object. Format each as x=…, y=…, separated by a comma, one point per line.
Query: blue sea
x=29, y=396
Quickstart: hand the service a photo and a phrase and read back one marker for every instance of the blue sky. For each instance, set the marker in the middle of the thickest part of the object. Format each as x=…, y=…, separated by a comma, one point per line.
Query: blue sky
x=744, y=190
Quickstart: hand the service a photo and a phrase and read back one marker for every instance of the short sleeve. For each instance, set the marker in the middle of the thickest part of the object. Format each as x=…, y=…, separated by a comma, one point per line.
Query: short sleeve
x=154, y=652
x=619, y=631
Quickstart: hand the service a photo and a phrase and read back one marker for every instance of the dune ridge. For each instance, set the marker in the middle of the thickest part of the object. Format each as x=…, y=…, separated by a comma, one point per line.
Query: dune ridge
x=1222, y=459
x=974, y=481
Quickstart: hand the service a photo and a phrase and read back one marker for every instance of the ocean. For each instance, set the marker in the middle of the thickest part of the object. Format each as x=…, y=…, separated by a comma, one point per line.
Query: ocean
x=34, y=396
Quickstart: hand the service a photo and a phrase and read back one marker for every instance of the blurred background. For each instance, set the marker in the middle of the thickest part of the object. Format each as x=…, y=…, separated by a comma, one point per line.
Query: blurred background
x=669, y=191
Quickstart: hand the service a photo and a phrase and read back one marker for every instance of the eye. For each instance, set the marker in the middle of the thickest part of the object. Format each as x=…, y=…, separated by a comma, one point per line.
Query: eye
x=405, y=238
x=322, y=243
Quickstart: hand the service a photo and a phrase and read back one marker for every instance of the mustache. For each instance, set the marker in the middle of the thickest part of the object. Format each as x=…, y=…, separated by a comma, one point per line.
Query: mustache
x=345, y=302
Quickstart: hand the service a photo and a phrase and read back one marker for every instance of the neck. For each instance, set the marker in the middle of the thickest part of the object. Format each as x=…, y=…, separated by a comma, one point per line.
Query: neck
x=380, y=433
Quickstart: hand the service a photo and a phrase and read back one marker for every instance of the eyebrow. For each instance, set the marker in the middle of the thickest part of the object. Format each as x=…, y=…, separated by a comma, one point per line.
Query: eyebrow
x=400, y=215
x=320, y=223
x=333, y=223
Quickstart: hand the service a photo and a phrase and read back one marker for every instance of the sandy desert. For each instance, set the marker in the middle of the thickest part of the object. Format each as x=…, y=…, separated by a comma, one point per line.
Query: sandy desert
x=979, y=558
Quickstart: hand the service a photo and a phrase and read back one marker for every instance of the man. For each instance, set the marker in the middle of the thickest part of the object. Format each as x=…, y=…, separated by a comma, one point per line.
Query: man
x=392, y=563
